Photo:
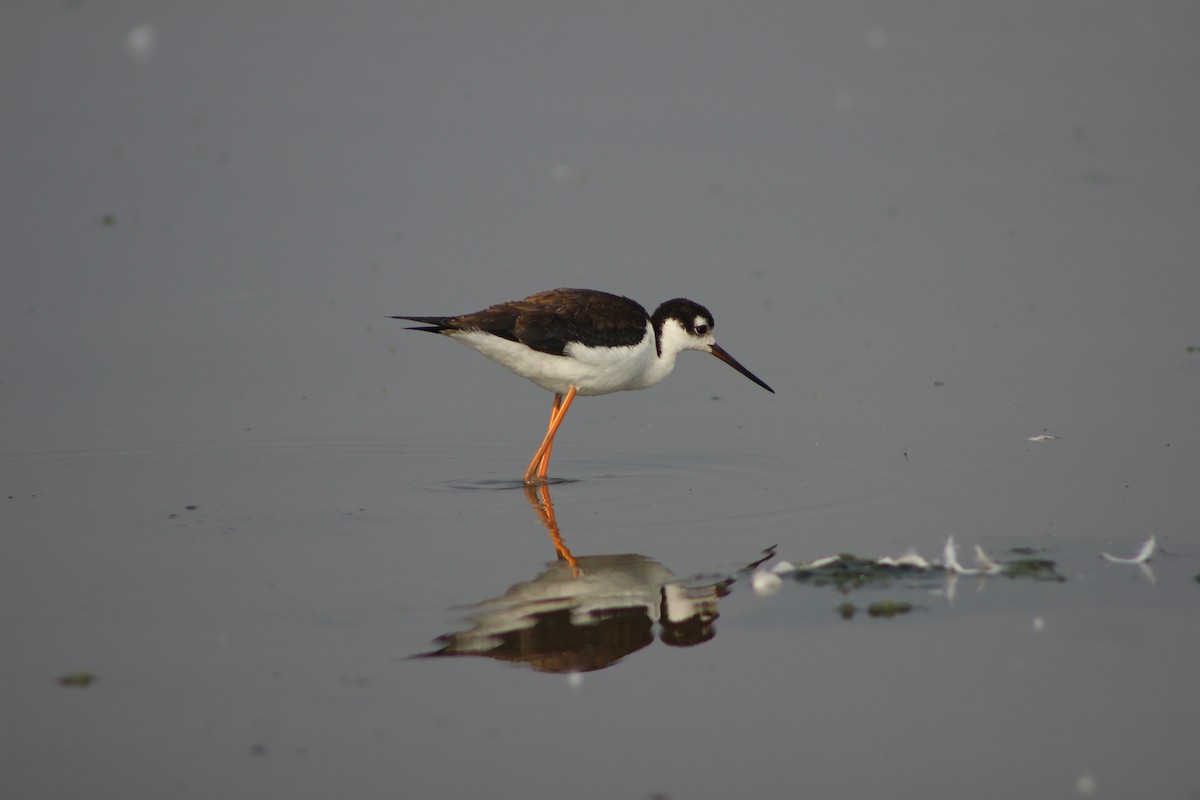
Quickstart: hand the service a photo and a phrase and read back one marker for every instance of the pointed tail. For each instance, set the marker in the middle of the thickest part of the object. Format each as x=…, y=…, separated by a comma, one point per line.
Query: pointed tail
x=432, y=324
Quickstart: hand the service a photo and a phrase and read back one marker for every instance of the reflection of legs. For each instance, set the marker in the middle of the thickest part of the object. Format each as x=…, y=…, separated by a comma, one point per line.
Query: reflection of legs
x=539, y=497
x=540, y=464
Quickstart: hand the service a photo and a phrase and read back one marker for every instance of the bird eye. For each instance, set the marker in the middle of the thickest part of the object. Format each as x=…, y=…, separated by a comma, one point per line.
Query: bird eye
x=701, y=330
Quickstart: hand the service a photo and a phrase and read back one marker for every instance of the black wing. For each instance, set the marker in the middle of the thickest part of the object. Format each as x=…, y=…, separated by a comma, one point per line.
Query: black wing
x=549, y=321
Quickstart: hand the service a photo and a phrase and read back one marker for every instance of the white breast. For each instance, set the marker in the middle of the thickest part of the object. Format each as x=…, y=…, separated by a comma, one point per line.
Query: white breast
x=592, y=370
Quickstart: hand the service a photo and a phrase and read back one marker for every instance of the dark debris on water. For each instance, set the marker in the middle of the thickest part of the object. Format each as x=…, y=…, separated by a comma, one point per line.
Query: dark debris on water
x=80, y=678
x=848, y=572
x=881, y=609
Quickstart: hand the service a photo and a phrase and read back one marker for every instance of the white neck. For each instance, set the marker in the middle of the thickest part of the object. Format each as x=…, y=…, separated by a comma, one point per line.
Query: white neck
x=673, y=341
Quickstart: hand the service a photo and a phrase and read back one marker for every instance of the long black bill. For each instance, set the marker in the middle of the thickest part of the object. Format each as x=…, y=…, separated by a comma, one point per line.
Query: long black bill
x=720, y=353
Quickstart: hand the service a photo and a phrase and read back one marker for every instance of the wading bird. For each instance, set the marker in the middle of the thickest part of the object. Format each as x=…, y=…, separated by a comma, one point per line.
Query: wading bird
x=583, y=342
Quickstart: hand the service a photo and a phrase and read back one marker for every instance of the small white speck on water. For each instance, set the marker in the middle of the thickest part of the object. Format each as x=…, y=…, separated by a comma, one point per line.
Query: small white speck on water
x=139, y=42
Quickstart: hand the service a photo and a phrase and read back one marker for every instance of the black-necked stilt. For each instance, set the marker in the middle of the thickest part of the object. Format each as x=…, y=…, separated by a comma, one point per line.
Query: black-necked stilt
x=580, y=341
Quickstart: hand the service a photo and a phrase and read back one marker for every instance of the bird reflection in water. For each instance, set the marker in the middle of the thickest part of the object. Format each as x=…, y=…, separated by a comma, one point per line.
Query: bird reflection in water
x=585, y=613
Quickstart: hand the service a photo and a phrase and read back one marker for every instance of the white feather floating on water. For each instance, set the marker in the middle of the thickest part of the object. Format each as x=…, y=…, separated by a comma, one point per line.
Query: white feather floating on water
x=950, y=556
x=986, y=564
x=911, y=558
x=1141, y=558
x=765, y=583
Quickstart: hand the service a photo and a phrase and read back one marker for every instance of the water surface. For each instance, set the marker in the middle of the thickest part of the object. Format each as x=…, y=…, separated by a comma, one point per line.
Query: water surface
x=239, y=503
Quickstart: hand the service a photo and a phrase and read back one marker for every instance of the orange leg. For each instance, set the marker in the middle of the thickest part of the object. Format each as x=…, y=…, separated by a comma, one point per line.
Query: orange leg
x=544, y=463
x=540, y=464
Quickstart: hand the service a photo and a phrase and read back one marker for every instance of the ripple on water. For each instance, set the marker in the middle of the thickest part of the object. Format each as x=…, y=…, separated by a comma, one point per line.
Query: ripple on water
x=681, y=484
x=663, y=486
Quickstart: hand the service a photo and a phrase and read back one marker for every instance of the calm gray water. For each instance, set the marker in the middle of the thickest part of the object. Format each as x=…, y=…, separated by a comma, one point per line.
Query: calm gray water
x=243, y=500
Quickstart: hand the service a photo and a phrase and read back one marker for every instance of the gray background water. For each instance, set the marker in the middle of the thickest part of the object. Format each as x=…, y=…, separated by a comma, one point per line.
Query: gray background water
x=937, y=229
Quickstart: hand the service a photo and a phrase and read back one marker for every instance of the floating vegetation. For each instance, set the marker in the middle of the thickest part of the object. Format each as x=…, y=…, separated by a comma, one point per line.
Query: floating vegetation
x=80, y=678
x=847, y=572
x=1038, y=569
x=881, y=609
x=889, y=608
